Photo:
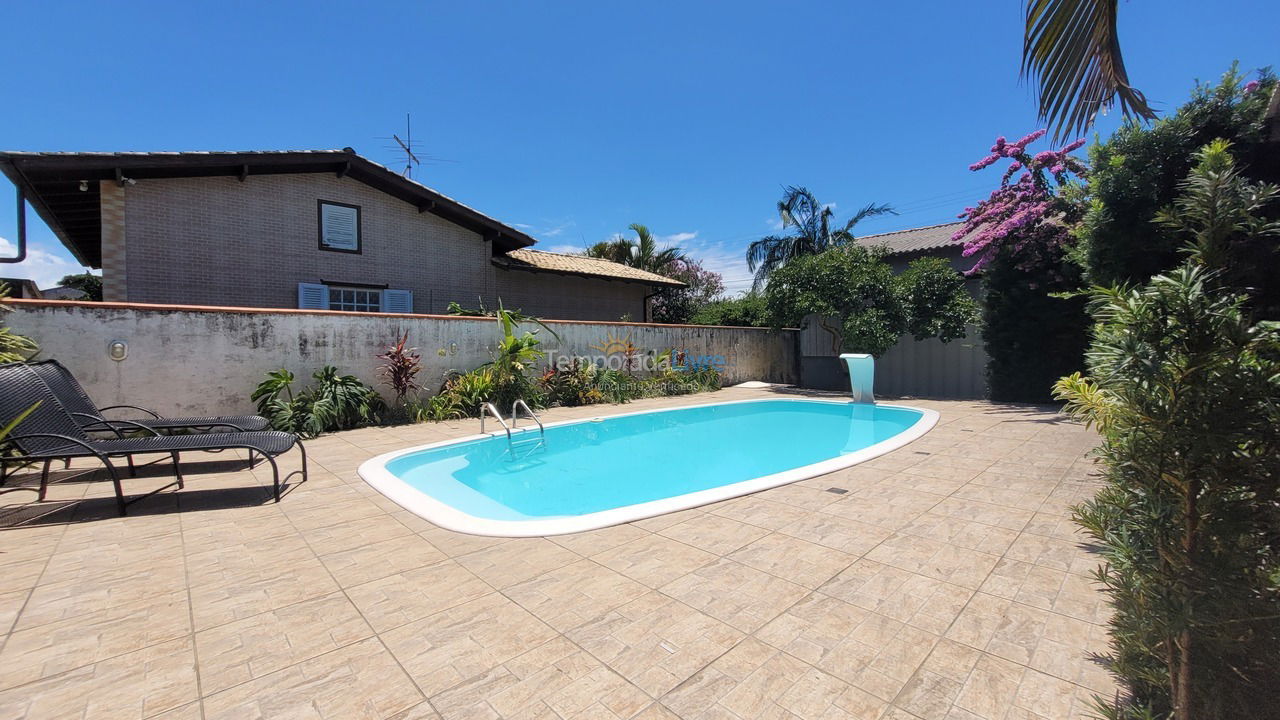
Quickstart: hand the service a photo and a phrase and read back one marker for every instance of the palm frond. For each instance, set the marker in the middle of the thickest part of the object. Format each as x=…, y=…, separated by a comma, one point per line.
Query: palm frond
x=1071, y=52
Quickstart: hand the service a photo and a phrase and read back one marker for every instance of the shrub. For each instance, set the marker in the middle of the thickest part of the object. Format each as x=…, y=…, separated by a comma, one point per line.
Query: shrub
x=13, y=347
x=873, y=306
x=1135, y=173
x=745, y=311
x=1185, y=391
x=334, y=402
x=1187, y=397
x=400, y=365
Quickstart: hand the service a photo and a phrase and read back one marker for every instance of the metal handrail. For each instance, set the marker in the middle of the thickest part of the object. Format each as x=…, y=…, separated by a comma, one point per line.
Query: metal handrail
x=490, y=409
x=515, y=415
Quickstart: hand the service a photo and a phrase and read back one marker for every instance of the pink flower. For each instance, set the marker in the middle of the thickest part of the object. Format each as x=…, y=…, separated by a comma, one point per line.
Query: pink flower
x=1251, y=86
x=1057, y=169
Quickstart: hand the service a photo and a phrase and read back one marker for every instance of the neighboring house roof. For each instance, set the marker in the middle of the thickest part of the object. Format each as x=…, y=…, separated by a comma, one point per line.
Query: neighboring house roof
x=21, y=288
x=62, y=292
x=51, y=182
x=541, y=261
x=921, y=239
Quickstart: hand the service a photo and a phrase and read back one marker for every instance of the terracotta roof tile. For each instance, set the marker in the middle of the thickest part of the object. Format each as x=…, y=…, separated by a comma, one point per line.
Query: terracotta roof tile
x=540, y=260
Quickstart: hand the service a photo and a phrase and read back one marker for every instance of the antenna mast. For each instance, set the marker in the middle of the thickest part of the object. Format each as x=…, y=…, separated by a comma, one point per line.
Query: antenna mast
x=407, y=146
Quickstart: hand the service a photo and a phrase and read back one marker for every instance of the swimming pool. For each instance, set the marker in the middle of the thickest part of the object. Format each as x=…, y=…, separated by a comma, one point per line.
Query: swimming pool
x=586, y=474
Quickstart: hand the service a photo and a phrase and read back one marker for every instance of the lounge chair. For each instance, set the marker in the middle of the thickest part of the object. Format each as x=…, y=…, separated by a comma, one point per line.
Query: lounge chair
x=73, y=397
x=51, y=432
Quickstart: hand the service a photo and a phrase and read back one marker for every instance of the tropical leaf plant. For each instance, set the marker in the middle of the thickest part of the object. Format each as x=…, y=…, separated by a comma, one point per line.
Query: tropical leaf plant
x=400, y=366
x=1071, y=53
x=13, y=347
x=642, y=253
x=334, y=402
x=812, y=232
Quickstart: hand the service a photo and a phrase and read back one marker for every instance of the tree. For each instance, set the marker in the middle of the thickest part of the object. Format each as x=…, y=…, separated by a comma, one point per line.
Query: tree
x=812, y=234
x=87, y=283
x=873, y=307
x=677, y=305
x=1136, y=172
x=642, y=253
x=747, y=310
x=1185, y=391
x=1021, y=234
x=1071, y=52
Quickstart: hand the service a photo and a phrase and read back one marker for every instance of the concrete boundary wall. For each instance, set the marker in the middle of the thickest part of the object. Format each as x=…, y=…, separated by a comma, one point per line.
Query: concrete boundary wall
x=193, y=360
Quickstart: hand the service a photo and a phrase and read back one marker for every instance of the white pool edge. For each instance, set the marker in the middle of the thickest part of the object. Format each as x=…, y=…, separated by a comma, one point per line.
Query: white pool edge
x=374, y=472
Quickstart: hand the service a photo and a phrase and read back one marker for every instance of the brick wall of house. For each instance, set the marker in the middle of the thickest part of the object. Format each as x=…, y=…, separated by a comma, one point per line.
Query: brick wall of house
x=219, y=241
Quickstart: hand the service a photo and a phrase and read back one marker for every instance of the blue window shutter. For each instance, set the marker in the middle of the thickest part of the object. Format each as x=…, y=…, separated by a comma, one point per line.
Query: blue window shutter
x=397, y=301
x=313, y=296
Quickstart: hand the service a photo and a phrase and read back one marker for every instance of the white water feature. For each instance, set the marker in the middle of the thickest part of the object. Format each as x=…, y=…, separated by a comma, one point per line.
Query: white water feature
x=862, y=376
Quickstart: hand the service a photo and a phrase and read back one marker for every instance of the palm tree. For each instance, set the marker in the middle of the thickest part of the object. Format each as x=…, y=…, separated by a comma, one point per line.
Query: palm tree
x=1071, y=52
x=799, y=209
x=642, y=253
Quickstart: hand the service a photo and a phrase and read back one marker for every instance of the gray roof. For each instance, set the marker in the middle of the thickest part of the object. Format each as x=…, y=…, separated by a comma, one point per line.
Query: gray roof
x=901, y=242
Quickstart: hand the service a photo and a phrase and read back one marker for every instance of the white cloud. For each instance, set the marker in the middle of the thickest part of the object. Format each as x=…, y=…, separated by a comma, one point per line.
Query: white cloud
x=774, y=223
x=676, y=238
x=44, y=267
x=563, y=249
x=727, y=258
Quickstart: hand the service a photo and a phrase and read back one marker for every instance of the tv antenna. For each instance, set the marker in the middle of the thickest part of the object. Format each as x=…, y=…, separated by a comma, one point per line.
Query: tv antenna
x=407, y=146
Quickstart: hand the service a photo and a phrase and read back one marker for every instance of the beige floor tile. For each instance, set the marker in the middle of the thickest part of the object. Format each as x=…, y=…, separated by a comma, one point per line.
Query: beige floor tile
x=380, y=559
x=260, y=645
x=991, y=688
x=554, y=680
x=756, y=510
x=519, y=560
x=837, y=532
x=455, y=544
x=566, y=597
x=793, y=559
x=938, y=560
x=455, y=645
x=360, y=682
x=394, y=600
x=741, y=596
x=713, y=533
x=597, y=541
x=355, y=534
x=960, y=532
x=919, y=601
x=84, y=639
x=655, y=642
x=142, y=683
x=654, y=559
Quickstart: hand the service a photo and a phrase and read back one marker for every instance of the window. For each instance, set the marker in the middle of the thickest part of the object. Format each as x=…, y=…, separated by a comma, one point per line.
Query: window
x=339, y=226
x=355, y=299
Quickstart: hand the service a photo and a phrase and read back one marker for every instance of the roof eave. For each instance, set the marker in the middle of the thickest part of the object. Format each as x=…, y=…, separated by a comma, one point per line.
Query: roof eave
x=506, y=264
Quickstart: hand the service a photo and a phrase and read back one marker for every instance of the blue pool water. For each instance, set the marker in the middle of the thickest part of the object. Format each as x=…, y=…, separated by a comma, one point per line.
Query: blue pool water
x=591, y=466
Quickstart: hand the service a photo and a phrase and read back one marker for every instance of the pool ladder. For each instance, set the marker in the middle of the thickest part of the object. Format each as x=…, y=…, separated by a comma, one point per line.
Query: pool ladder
x=488, y=410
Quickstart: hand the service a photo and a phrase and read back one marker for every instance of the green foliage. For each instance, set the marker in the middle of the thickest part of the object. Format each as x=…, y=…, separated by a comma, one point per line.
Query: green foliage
x=642, y=253
x=1034, y=327
x=873, y=306
x=334, y=402
x=586, y=384
x=1136, y=172
x=87, y=283
x=746, y=310
x=1185, y=390
x=811, y=232
x=935, y=300
x=13, y=347
x=1187, y=396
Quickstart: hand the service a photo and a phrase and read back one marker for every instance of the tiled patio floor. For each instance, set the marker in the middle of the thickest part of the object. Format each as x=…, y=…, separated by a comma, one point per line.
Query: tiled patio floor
x=947, y=582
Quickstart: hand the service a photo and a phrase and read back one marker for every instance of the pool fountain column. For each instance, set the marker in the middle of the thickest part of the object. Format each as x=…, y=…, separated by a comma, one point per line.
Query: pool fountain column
x=862, y=375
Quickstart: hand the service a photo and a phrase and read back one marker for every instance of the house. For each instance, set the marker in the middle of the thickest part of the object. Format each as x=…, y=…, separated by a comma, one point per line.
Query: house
x=928, y=241
x=21, y=288
x=323, y=229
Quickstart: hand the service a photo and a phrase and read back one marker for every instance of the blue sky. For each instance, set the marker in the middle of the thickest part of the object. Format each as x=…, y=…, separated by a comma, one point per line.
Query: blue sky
x=573, y=120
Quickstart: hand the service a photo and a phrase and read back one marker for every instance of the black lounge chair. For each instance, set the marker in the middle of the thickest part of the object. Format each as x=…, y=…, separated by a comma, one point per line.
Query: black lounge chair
x=73, y=397
x=51, y=432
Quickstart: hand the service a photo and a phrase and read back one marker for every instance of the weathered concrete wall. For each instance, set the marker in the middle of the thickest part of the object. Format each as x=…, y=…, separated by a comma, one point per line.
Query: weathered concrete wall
x=193, y=361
